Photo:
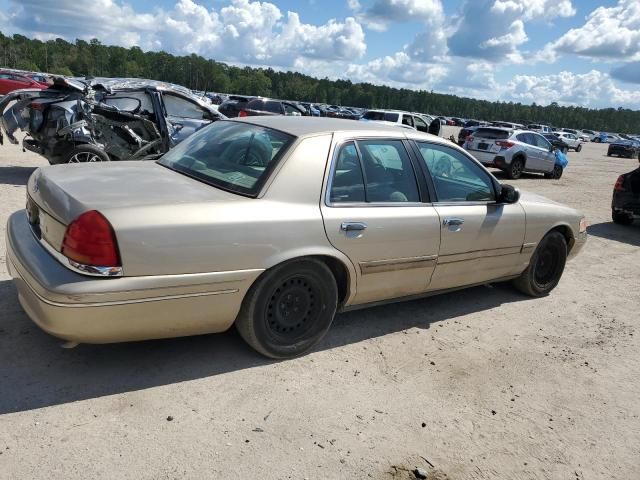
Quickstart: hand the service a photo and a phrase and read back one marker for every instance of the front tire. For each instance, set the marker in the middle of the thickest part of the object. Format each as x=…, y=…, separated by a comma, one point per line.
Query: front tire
x=289, y=309
x=516, y=168
x=579, y=147
x=621, y=218
x=545, y=268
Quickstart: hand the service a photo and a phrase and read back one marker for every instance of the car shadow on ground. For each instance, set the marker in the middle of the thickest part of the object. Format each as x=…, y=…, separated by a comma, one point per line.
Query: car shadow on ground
x=15, y=175
x=620, y=233
x=36, y=372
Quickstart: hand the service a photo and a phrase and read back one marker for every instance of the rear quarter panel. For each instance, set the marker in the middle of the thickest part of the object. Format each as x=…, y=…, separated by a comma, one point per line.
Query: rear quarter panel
x=284, y=222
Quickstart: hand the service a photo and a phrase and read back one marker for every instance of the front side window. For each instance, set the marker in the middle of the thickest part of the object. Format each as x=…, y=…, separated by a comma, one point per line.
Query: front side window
x=233, y=156
x=456, y=178
x=541, y=142
x=407, y=120
x=374, y=171
x=180, y=107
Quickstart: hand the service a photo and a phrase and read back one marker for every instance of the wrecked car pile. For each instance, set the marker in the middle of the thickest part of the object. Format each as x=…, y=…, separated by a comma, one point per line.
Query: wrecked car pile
x=102, y=119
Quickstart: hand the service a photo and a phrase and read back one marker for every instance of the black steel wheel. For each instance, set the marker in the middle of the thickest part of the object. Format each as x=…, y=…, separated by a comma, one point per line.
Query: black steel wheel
x=516, y=168
x=557, y=172
x=289, y=309
x=545, y=267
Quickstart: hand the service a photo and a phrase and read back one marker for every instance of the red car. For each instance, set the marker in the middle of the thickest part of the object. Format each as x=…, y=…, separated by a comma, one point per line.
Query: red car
x=10, y=81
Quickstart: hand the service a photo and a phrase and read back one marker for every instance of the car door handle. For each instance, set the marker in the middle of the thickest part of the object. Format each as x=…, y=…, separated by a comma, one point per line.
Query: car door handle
x=352, y=226
x=453, y=221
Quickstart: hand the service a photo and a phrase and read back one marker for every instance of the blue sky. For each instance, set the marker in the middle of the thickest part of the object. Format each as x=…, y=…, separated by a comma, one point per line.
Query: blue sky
x=575, y=52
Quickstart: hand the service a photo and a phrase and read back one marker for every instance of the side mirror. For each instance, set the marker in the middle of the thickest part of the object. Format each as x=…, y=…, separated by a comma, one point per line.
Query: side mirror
x=508, y=194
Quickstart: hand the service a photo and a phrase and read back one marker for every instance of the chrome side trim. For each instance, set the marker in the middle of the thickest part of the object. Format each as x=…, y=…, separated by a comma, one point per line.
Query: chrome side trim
x=528, y=247
x=395, y=264
x=423, y=295
x=121, y=302
x=474, y=254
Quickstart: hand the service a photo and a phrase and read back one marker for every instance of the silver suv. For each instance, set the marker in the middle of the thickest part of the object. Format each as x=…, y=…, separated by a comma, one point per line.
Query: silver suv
x=514, y=151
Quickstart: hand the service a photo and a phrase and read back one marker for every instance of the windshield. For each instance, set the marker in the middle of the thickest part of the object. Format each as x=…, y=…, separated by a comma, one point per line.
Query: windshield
x=231, y=155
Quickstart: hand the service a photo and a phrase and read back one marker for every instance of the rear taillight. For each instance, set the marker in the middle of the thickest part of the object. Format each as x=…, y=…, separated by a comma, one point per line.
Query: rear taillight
x=242, y=113
x=90, y=240
x=619, y=183
x=504, y=144
x=469, y=139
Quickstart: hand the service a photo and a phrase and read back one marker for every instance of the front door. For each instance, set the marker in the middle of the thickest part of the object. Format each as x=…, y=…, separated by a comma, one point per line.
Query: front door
x=481, y=240
x=374, y=212
x=184, y=116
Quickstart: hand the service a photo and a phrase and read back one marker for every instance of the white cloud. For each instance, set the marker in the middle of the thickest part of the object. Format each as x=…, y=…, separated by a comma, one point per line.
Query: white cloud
x=532, y=9
x=592, y=89
x=398, y=70
x=384, y=12
x=609, y=32
x=243, y=31
x=495, y=29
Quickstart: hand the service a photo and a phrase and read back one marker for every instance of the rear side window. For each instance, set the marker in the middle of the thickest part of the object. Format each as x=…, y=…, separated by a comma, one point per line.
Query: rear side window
x=407, y=120
x=391, y=117
x=377, y=171
x=492, y=133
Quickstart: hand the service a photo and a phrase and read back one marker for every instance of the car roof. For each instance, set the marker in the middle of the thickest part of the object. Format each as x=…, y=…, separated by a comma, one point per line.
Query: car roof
x=311, y=126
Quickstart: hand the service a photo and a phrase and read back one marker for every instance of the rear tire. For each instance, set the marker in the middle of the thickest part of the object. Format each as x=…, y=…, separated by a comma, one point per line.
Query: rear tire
x=515, y=169
x=621, y=218
x=289, y=309
x=545, y=268
x=86, y=153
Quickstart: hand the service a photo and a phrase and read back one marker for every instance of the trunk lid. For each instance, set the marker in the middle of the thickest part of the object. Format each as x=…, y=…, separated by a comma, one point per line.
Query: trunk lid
x=66, y=191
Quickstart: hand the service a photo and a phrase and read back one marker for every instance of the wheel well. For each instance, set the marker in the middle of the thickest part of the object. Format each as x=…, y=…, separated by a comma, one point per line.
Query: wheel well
x=340, y=273
x=567, y=234
x=520, y=156
x=338, y=269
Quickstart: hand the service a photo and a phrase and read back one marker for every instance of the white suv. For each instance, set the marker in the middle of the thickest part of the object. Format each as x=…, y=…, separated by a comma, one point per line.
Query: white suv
x=574, y=142
x=514, y=151
x=401, y=118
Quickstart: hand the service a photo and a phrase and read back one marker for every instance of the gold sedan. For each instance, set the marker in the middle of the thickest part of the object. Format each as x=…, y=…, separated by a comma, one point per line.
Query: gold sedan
x=274, y=224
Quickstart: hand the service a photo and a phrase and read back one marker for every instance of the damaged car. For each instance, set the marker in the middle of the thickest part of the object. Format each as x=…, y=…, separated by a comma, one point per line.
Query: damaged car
x=103, y=119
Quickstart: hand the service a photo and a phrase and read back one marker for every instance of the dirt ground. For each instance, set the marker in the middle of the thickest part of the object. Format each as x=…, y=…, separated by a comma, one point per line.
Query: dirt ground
x=479, y=384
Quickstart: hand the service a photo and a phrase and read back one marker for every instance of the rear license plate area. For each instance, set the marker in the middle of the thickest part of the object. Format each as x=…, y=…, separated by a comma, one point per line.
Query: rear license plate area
x=483, y=146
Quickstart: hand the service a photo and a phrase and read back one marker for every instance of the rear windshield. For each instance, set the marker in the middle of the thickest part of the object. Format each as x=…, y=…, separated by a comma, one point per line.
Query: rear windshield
x=233, y=156
x=492, y=133
x=386, y=116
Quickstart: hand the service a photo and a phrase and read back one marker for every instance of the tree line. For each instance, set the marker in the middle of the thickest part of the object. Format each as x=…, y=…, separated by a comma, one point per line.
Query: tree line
x=83, y=58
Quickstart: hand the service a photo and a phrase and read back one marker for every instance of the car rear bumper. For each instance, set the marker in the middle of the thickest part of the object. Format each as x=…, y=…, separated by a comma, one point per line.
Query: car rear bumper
x=85, y=309
x=489, y=159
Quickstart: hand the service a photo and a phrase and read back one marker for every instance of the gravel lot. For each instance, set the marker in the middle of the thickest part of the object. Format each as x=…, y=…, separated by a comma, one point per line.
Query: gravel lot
x=483, y=383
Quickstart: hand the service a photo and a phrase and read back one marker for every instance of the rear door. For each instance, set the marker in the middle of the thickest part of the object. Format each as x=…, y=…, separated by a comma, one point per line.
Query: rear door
x=481, y=240
x=376, y=212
